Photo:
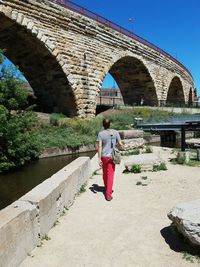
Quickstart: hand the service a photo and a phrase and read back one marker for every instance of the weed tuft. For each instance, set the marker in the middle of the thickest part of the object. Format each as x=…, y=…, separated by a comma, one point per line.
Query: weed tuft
x=136, y=168
x=82, y=188
x=148, y=149
x=161, y=167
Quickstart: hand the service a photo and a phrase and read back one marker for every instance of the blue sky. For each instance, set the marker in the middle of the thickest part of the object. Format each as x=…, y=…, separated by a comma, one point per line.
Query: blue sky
x=172, y=25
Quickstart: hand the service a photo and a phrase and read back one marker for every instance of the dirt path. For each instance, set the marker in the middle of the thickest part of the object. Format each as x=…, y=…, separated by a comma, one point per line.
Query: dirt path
x=131, y=230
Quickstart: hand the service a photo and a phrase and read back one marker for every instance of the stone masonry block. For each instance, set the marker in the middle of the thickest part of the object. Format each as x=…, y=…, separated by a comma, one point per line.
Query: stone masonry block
x=25, y=21
x=19, y=18
x=30, y=25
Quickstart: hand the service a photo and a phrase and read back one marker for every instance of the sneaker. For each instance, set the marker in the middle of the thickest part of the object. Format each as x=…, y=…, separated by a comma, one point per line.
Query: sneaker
x=109, y=199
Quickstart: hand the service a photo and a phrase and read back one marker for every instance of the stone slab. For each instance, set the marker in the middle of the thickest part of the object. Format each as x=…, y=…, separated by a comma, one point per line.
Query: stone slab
x=146, y=161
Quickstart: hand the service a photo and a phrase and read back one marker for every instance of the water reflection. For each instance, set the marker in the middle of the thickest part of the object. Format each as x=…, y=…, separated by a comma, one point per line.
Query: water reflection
x=15, y=184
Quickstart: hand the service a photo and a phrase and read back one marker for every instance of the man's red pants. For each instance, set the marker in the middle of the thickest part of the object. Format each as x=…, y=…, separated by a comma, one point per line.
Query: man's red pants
x=108, y=175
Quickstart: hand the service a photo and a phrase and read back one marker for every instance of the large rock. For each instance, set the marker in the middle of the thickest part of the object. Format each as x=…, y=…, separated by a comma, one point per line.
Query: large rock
x=146, y=161
x=133, y=143
x=194, y=142
x=186, y=216
x=131, y=134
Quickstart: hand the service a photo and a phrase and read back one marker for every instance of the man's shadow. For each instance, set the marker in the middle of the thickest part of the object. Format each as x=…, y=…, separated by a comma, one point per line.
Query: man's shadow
x=95, y=188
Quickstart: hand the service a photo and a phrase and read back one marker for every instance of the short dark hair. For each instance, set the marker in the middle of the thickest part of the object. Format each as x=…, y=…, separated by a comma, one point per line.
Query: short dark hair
x=106, y=123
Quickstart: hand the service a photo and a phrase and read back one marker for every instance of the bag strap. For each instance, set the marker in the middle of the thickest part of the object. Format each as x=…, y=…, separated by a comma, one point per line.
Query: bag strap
x=111, y=135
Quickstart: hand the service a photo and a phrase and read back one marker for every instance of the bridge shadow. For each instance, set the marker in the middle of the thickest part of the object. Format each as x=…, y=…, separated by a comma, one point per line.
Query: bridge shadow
x=95, y=188
x=177, y=242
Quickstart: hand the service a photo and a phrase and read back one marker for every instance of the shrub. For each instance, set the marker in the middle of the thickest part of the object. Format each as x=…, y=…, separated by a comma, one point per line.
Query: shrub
x=132, y=152
x=54, y=118
x=148, y=149
x=161, y=167
x=136, y=168
x=18, y=139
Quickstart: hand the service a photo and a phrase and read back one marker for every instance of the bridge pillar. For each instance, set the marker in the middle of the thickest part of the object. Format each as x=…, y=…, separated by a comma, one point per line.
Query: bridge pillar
x=85, y=92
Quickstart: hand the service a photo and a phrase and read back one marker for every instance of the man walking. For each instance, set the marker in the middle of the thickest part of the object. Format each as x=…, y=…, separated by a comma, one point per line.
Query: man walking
x=107, y=140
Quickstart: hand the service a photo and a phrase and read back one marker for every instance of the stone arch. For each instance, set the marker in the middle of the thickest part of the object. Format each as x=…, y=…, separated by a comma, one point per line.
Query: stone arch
x=32, y=52
x=175, y=95
x=133, y=78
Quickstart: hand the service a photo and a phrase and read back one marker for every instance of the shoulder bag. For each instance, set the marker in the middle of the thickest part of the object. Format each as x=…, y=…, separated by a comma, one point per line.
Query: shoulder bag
x=116, y=155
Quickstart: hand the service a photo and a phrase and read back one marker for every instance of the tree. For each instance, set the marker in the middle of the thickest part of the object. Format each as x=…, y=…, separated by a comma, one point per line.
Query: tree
x=18, y=138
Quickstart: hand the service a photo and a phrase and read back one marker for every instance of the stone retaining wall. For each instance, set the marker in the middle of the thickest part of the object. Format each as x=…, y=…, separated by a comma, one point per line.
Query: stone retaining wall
x=56, y=151
x=26, y=222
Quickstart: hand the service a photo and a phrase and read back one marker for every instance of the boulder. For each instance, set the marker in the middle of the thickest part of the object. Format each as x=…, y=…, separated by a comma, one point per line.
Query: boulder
x=193, y=142
x=186, y=216
x=133, y=143
x=130, y=134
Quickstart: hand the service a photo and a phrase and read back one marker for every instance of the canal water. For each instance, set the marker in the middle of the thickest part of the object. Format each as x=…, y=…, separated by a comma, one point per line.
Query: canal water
x=15, y=184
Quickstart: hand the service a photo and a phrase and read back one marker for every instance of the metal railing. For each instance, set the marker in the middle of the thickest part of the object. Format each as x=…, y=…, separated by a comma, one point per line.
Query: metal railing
x=83, y=11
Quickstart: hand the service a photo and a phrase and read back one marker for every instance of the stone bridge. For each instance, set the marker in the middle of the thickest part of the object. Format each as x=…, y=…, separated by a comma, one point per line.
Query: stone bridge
x=65, y=52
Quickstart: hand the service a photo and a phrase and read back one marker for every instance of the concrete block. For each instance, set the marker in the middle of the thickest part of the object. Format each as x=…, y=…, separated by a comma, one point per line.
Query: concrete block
x=18, y=233
x=183, y=157
x=94, y=163
x=146, y=161
x=198, y=154
x=57, y=192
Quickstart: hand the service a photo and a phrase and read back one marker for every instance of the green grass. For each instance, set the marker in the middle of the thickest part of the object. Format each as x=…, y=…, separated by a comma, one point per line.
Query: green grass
x=124, y=118
x=74, y=132
x=143, y=181
x=192, y=162
x=144, y=177
x=139, y=183
x=52, y=136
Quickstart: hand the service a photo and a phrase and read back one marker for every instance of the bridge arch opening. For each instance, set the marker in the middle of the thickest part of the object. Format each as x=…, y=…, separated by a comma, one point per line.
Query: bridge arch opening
x=50, y=85
x=190, y=98
x=134, y=81
x=175, y=96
